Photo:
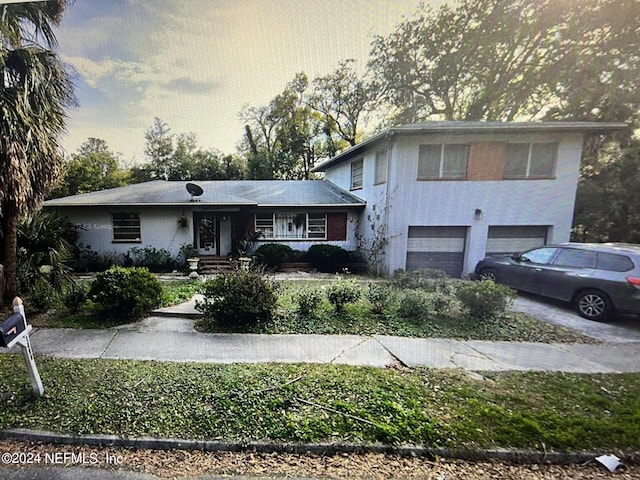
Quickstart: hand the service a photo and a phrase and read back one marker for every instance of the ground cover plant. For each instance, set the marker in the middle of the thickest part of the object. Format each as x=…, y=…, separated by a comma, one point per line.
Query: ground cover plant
x=417, y=304
x=324, y=403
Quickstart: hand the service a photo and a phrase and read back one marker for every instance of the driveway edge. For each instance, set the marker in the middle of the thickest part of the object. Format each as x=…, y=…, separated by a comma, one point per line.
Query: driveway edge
x=512, y=456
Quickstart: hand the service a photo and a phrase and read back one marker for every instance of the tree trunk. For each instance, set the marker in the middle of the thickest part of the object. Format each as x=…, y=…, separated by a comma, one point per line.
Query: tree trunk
x=9, y=225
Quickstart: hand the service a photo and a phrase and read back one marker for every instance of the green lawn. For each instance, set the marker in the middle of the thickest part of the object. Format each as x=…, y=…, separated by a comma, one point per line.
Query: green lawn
x=309, y=403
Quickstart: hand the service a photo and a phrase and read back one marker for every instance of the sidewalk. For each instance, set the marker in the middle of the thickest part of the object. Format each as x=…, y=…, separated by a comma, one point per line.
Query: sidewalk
x=169, y=336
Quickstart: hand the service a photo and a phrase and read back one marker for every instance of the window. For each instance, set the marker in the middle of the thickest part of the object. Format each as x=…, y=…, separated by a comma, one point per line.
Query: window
x=530, y=160
x=570, y=257
x=381, y=167
x=539, y=255
x=264, y=224
x=126, y=227
x=443, y=161
x=317, y=225
x=613, y=262
x=291, y=226
x=356, y=174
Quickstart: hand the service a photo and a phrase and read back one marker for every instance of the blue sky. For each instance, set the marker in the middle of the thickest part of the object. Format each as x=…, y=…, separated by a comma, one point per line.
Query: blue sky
x=195, y=63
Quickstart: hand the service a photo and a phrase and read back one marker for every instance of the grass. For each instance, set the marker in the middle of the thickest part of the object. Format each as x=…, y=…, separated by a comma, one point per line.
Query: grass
x=327, y=403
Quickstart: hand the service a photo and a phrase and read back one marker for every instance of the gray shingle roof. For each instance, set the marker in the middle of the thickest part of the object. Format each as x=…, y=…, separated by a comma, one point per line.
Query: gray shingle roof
x=220, y=193
x=471, y=127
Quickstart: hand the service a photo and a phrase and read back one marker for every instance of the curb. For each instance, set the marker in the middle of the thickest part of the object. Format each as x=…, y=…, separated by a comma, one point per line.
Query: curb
x=512, y=456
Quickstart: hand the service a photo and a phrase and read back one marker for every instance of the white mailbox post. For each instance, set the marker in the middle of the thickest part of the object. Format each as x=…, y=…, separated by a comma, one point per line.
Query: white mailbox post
x=15, y=331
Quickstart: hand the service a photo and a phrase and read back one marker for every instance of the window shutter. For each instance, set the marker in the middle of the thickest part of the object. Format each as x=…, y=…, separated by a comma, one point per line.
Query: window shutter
x=337, y=226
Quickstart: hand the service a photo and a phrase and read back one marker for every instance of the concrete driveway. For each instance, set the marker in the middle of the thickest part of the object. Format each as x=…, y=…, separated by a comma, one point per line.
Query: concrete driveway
x=620, y=329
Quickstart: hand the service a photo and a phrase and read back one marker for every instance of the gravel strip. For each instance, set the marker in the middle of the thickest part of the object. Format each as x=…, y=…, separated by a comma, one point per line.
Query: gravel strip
x=176, y=464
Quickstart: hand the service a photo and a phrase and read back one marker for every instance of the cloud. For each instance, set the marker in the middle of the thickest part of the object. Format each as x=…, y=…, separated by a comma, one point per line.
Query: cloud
x=101, y=73
x=190, y=86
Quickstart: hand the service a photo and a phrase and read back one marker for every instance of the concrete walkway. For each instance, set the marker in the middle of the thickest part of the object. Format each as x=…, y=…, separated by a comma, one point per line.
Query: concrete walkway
x=169, y=335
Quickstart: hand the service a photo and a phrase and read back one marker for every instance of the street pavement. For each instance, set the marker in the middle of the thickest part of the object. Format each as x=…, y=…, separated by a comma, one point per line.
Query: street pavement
x=169, y=335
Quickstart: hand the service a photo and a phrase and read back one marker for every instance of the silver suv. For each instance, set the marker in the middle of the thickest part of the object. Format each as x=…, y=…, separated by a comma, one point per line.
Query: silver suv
x=595, y=278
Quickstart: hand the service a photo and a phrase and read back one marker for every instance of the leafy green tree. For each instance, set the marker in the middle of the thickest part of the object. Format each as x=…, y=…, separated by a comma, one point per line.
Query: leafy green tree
x=284, y=138
x=609, y=195
x=36, y=94
x=475, y=60
x=341, y=98
x=178, y=157
x=94, y=167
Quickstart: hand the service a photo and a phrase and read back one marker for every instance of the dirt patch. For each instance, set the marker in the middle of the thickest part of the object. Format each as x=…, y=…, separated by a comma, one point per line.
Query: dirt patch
x=178, y=464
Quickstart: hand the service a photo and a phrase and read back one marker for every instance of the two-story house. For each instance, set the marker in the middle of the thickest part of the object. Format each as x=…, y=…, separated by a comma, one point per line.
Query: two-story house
x=445, y=194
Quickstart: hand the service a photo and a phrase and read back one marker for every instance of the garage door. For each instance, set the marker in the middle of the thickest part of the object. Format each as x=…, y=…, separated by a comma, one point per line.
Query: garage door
x=436, y=247
x=505, y=240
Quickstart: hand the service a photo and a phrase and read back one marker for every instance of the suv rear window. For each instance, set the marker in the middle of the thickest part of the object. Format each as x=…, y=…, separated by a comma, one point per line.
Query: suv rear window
x=570, y=257
x=613, y=262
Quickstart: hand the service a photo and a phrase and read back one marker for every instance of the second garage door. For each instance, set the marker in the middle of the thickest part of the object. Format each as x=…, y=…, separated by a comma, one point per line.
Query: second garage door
x=505, y=240
x=441, y=248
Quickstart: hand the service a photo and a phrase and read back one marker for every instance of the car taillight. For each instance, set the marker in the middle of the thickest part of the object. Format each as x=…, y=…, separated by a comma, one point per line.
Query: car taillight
x=635, y=281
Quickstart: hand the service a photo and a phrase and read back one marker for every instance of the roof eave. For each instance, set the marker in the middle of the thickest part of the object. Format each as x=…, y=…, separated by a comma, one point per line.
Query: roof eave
x=139, y=204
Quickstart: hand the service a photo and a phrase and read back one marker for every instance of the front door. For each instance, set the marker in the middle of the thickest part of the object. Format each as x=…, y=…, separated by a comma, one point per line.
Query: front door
x=207, y=235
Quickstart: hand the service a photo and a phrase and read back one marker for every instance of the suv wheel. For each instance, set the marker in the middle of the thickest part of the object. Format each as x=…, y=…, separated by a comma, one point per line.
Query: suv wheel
x=593, y=305
x=488, y=274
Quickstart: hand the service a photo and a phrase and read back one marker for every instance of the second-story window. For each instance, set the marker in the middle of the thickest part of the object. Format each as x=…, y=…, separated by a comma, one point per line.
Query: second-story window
x=356, y=174
x=530, y=160
x=381, y=167
x=443, y=161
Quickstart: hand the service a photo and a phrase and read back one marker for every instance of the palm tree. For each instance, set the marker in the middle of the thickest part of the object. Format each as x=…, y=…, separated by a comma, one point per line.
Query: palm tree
x=35, y=94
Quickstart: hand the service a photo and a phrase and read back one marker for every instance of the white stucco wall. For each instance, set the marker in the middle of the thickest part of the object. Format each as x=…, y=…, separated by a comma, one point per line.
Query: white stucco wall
x=158, y=227
x=453, y=203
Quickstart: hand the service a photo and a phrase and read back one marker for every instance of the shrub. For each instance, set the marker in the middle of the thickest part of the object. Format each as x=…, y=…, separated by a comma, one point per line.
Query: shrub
x=341, y=292
x=84, y=259
x=420, y=304
x=41, y=296
x=308, y=301
x=187, y=250
x=126, y=292
x=239, y=298
x=75, y=297
x=327, y=258
x=155, y=259
x=485, y=299
x=422, y=278
x=378, y=296
x=44, y=245
x=273, y=255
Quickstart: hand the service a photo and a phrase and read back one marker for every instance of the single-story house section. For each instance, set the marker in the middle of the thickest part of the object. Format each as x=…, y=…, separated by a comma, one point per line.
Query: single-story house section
x=432, y=195
x=164, y=214
x=445, y=194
